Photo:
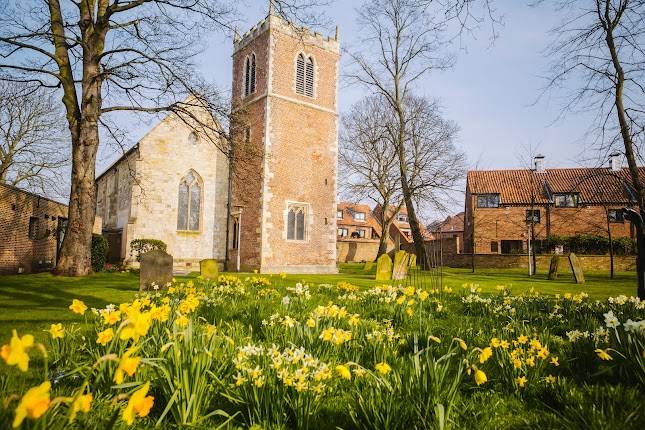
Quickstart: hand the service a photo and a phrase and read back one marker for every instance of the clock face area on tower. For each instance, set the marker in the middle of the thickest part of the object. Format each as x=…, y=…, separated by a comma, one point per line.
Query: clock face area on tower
x=285, y=83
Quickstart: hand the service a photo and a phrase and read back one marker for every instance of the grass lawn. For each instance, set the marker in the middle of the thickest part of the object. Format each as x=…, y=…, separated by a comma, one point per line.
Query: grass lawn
x=30, y=303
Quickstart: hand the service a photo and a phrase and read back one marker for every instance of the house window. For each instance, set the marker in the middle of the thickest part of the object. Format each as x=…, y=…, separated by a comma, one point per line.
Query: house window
x=189, y=205
x=361, y=233
x=296, y=229
x=359, y=216
x=494, y=247
x=533, y=215
x=616, y=215
x=339, y=214
x=342, y=232
x=568, y=200
x=249, y=75
x=488, y=201
x=402, y=218
x=33, y=228
x=305, y=75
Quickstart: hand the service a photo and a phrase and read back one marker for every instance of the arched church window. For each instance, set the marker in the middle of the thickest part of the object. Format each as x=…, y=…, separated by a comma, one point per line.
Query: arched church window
x=249, y=75
x=189, y=205
x=305, y=72
x=296, y=228
x=192, y=138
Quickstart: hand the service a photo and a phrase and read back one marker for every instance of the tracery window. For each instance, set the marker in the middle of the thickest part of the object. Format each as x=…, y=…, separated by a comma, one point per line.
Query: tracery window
x=249, y=75
x=305, y=75
x=296, y=229
x=189, y=205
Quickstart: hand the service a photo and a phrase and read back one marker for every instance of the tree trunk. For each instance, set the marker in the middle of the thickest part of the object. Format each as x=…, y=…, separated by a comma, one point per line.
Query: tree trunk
x=385, y=234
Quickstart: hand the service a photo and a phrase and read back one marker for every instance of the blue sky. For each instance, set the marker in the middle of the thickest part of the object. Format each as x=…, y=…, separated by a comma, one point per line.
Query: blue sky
x=490, y=92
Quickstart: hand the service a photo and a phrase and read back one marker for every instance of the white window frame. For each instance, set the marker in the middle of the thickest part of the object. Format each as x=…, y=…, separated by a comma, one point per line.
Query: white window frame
x=359, y=219
x=306, y=207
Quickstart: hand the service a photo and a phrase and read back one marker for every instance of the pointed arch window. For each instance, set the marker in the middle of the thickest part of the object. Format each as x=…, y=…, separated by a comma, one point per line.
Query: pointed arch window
x=189, y=204
x=249, y=75
x=296, y=228
x=305, y=72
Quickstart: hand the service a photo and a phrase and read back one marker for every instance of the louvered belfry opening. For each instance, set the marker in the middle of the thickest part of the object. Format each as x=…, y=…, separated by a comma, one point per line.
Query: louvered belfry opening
x=309, y=81
x=249, y=75
x=300, y=74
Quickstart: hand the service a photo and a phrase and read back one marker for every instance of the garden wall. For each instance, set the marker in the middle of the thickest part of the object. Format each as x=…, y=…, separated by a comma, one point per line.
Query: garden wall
x=348, y=251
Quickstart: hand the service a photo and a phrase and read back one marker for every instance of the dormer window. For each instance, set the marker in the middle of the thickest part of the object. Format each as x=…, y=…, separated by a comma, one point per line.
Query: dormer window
x=566, y=200
x=249, y=75
x=402, y=218
x=305, y=75
x=488, y=201
x=359, y=216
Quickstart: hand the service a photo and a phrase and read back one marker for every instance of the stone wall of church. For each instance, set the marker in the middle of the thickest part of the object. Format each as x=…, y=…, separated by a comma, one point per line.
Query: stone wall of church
x=138, y=197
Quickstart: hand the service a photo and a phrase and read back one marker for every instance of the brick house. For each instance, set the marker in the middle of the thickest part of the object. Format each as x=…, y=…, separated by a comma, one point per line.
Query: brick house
x=358, y=232
x=450, y=228
x=503, y=208
x=400, y=231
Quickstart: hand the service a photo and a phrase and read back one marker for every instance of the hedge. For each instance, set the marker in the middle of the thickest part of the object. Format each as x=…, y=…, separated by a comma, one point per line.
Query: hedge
x=99, y=252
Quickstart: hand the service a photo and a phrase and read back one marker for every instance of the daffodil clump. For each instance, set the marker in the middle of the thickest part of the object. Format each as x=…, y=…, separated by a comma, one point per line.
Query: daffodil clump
x=274, y=352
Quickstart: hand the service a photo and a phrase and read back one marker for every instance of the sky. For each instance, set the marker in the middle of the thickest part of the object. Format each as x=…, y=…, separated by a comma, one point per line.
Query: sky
x=492, y=92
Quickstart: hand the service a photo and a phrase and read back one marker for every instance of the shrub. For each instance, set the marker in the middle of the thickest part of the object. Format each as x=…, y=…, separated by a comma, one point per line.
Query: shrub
x=99, y=252
x=590, y=244
x=141, y=246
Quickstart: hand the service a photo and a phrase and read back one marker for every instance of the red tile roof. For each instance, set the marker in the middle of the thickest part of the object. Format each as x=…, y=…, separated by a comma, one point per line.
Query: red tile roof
x=349, y=209
x=594, y=185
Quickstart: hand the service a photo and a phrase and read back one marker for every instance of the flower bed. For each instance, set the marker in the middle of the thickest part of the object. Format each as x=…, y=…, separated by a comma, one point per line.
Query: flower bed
x=259, y=352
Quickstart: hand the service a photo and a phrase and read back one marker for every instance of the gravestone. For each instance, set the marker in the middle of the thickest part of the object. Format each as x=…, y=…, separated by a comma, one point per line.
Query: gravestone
x=553, y=267
x=208, y=268
x=156, y=267
x=401, y=264
x=413, y=260
x=384, y=268
x=576, y=268
x=368, y=266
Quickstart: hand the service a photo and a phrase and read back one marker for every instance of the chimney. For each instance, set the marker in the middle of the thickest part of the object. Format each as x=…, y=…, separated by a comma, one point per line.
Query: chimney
x=614, y=162
x=538, y=162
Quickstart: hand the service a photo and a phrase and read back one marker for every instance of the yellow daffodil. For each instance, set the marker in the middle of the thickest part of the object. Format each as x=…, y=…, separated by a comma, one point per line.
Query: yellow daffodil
x=78, y=307
x=111, y=318
x=517, y=363
x=423, y=295
x=480, y=377
x=359, y=372
x=495, y=343
x=550, y=379
x=81, y=403
x=182, y=321
x=522, y=339
x=383, y=368
x=521, y=381
x=409, y=311
x=139, y=404
x=504, y=344
x=543, y=353
x=555, y=361
x=462, y=344
x=138, y=325
x=33, y=404
x=311, y=323
x=56, y=331
x=344, y=372
x=603, y=354
x=127, y=365
x=530, y=361
x=485, y=354
x=15, y=354
x=105, y=336
x=434, y=339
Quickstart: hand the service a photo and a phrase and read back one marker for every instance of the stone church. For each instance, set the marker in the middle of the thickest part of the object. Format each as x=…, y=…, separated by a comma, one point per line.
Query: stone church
x=173, y=186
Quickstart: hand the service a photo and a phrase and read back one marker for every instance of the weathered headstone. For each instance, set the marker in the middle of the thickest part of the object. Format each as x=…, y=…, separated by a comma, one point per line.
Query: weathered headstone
x=401, y=264
x=208, y=268
x=384, y=268
x=553, y=267
x=156, y=268
x=413, y=260
x=368, y=266
x=576, y=268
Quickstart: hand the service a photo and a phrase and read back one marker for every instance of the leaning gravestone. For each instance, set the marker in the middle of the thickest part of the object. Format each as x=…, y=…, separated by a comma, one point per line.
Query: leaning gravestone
x=384, y=268
x=576, y=268
x=368, y=266
x=208, y=268
x=156, y=268
x=553, y=267
x=401, y=264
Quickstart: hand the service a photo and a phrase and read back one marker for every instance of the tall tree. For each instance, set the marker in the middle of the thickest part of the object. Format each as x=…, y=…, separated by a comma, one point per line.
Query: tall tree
x=33, y=151
x=368, y=162
x=598, y=55
x=402, y=44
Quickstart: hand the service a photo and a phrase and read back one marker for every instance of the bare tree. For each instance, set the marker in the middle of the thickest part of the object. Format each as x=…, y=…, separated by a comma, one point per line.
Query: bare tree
x=33, y=151
x=368, y=161
x=599, y=56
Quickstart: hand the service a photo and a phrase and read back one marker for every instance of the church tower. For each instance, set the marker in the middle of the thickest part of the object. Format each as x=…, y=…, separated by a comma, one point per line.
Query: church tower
x=285, y=81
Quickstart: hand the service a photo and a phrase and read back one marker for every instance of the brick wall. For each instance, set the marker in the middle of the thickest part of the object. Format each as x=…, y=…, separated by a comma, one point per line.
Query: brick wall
x=356, y=250
x=508, y=223
x=17, y=249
